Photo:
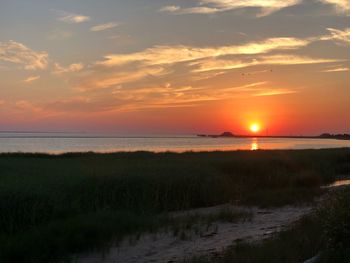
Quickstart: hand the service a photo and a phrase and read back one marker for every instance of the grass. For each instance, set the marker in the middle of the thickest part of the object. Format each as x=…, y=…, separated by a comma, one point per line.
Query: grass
x=53, y=206
x=59, y=239
x=187, y=225
x=62, y=238
x=325, y=233
x=297, y=244
x=336, y=222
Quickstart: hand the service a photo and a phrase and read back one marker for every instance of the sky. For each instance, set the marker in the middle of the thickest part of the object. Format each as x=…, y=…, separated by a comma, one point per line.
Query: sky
x=175, y=66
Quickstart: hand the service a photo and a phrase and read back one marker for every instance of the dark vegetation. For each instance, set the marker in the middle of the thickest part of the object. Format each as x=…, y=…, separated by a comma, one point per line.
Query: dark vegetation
x=297, y=244
x=54, y=206
x=335, y=136
x=335, y=218
x=325, y=234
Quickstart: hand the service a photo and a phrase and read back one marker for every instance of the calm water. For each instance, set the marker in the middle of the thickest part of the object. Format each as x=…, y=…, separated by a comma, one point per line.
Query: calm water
x=63, y=142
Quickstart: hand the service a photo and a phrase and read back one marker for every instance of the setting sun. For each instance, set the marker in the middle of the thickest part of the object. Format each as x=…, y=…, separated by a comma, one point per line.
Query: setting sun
x=254, y=128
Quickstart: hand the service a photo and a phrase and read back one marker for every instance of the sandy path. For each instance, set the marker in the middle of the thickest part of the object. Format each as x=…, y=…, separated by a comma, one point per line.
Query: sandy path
x=164, y=247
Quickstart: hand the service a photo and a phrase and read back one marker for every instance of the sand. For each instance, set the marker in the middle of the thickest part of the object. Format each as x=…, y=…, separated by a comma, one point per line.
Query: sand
x=165, y=247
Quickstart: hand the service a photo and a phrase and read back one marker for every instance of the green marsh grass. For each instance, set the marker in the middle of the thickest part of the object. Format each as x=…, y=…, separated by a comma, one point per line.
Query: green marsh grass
x=52, y=206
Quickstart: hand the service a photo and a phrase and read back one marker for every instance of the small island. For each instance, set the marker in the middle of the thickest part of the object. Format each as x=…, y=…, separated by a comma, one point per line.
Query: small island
x=226, y=134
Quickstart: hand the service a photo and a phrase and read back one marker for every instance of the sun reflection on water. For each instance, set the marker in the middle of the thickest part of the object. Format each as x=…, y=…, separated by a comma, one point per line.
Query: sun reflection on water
x=254, y=145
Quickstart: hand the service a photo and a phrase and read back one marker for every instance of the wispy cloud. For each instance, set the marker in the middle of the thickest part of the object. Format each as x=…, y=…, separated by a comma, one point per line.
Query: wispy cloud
x=226, y=64
x=104, y=27
x=338, y=69
x=131, y=81
x=175, y=96
x=18, y=53
x=31, y=79
x=158, y=61
x=72, y=17
x=76, y=67
x=266, y=7
x=126, y=99
x=170, y=8
x=341, y=6
x=100, y=81
x=189, y=96
x=339, y=36
x=175, y=54
x=193, y=10
x=274, y=92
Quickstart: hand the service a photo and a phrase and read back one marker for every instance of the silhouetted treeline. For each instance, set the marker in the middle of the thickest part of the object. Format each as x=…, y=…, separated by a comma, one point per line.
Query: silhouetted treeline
x=336, y=136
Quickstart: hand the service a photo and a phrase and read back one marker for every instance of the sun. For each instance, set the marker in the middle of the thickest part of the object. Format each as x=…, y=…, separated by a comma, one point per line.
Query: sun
x=254, y=128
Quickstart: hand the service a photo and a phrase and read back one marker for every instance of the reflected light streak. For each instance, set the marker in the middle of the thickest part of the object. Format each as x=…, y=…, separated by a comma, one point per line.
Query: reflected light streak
x=254, y=145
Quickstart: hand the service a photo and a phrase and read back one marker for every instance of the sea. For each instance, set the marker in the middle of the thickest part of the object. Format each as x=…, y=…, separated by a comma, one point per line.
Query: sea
x=56, y=143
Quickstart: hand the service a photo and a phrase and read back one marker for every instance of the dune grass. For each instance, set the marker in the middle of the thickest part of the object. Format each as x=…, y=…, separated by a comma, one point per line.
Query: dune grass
x=324, y=234
x=300, y=242
x=53, y=206
x=335, y=218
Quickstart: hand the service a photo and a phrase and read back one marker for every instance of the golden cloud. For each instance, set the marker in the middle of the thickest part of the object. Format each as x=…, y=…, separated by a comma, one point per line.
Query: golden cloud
x=31, y=79
x=222, y=64
x=104, y=27
x=76, y=67
x=160, y=55
x=97, y=81
x=18, y=53
x=339, y=36
x=342, y=6
x=72, y=18
x=267, y=7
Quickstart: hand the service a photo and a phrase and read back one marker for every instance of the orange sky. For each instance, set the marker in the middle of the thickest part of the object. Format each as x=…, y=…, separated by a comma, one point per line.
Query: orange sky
x=186, y=67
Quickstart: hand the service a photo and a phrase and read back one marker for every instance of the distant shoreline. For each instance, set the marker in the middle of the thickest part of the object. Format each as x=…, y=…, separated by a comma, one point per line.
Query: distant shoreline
x=87, y=135
x=322, y=136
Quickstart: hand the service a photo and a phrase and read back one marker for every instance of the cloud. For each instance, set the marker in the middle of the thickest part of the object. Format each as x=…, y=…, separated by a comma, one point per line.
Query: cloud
x=338, y=69
x=295, y=60
x=226, y=64
x=76, y=67
x=103, y=27
x=159, y=55
x=341, y=6
x=72, y=18
x=18, y=53
x=274, y=92
x=259, y=89
x=156, y=63
x=339, y=36
x=31, y=79
x=169, y=96
x=266, y=7
x=192, y=10
x=131, y=81
x=100, y=81
x=170, y=8
x=126, y=98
